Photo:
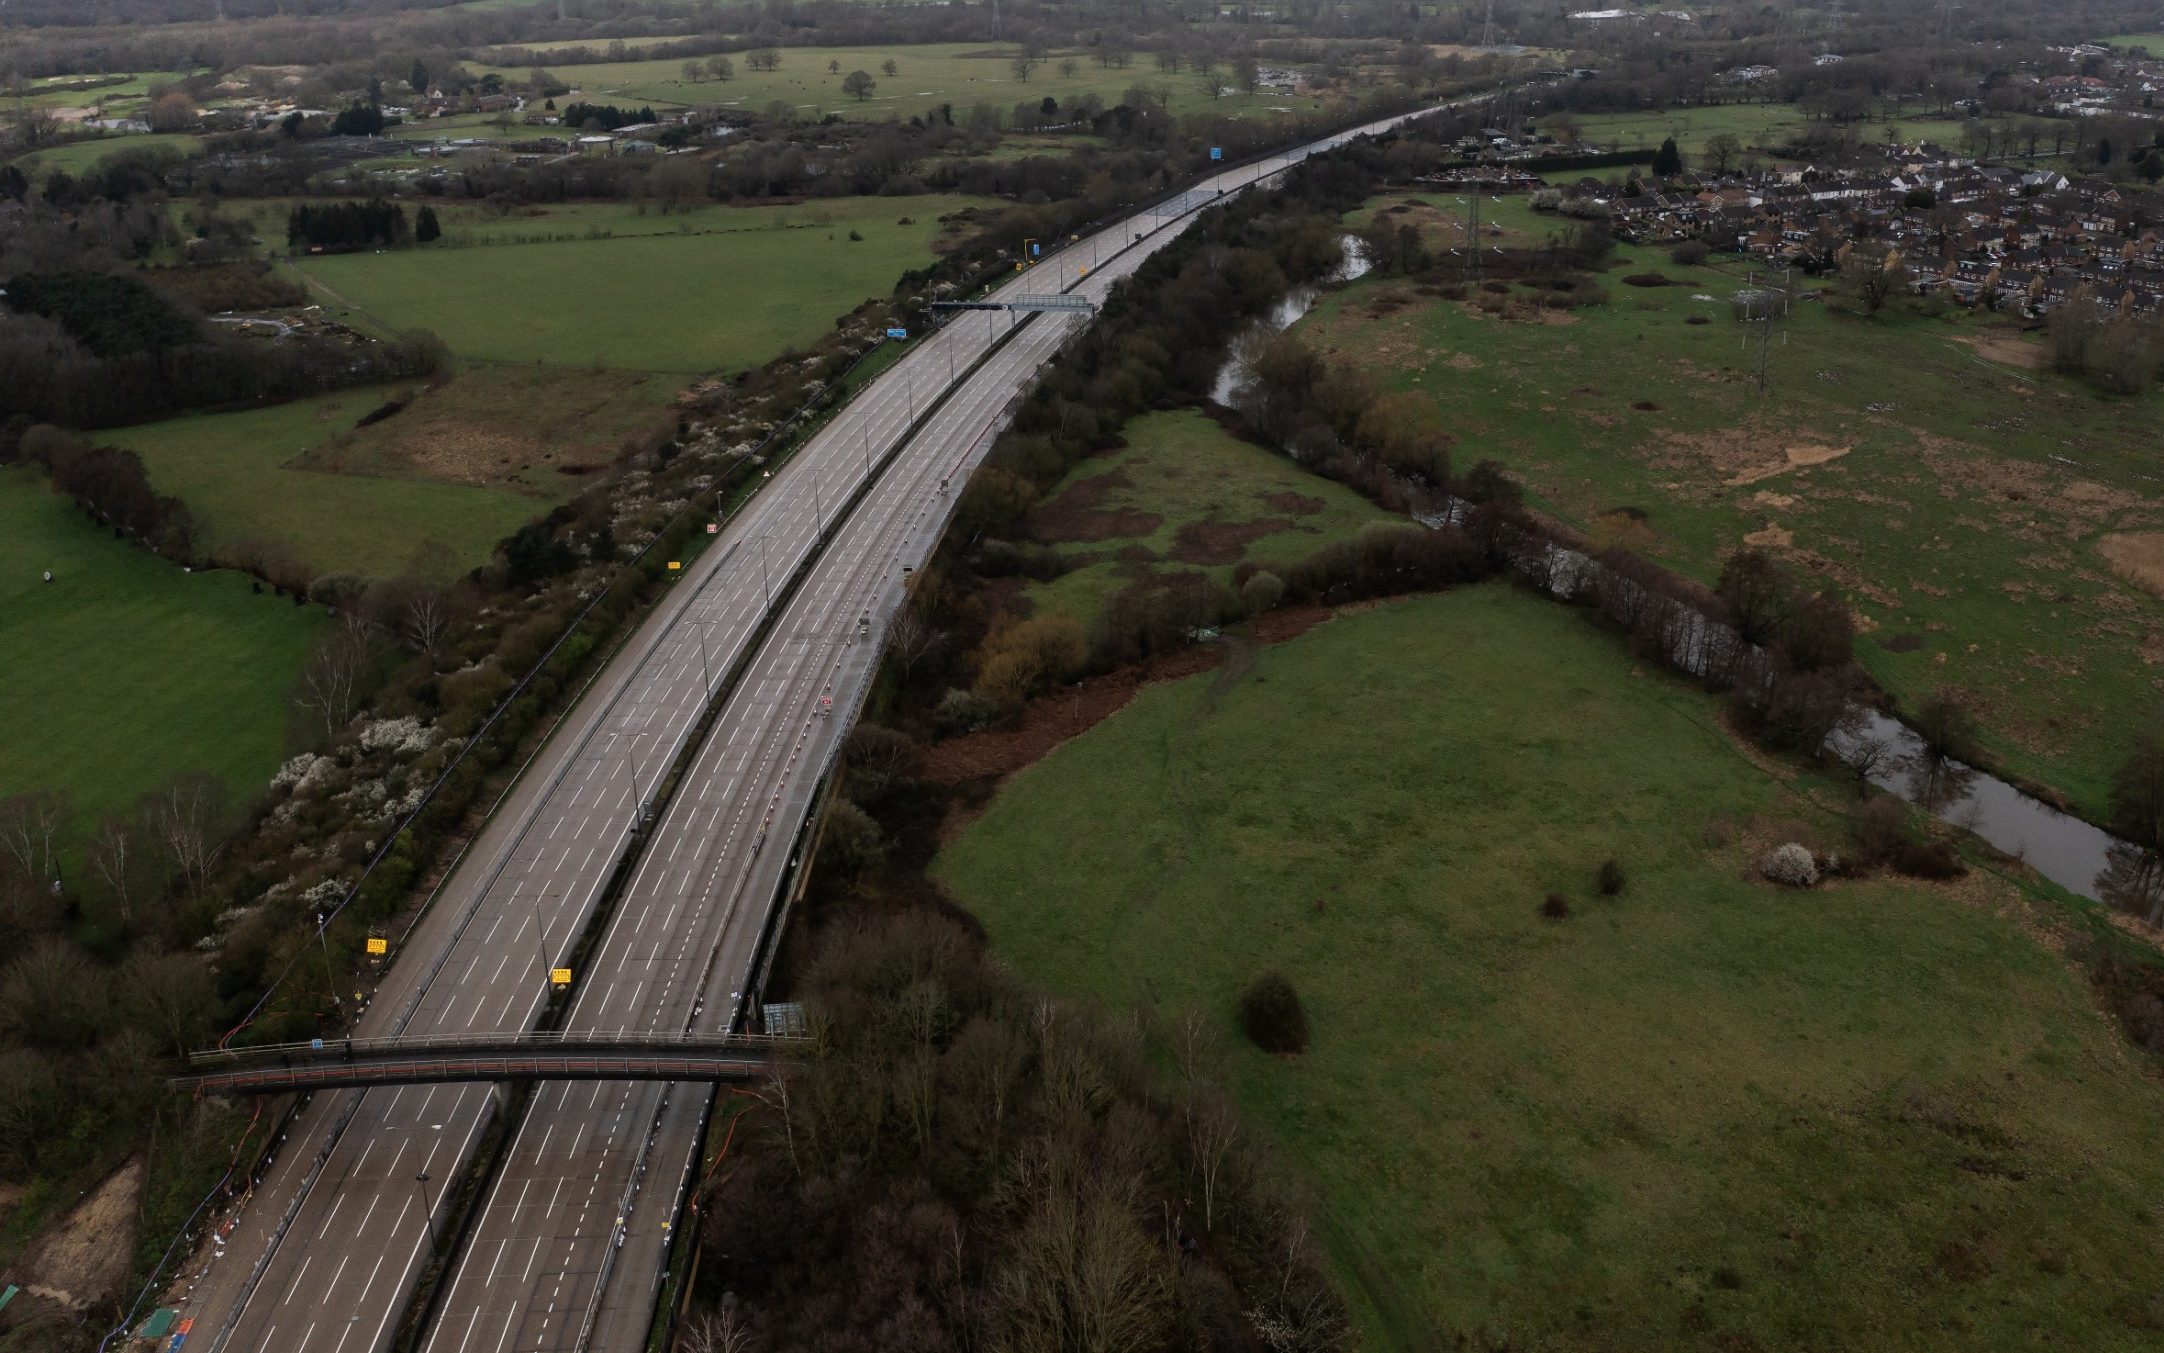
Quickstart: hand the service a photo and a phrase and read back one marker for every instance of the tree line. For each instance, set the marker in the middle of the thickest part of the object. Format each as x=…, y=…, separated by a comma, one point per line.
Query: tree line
x=605, y=117
x=338, y=226
x=964, y=1163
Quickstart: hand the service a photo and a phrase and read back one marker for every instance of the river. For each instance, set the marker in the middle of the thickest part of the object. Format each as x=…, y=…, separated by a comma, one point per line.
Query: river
x=2077, y=855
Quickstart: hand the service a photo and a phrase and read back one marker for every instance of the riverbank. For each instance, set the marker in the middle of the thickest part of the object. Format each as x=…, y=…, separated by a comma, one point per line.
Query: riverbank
x=1875, y=1113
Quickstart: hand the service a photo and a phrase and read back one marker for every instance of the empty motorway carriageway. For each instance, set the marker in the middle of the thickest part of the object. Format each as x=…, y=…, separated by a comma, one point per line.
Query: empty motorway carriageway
x=775, y=631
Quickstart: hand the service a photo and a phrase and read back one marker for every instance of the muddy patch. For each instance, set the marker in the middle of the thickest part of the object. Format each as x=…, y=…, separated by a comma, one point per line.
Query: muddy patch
x=1798, y=457
x=1298, y=504
x=1079, y=515
x=1222, y=542
x=2005, y=348
x=1052, y=719
x=1902, y=643
x=1771, y=537
x=2137, y=556
x=83, y=1259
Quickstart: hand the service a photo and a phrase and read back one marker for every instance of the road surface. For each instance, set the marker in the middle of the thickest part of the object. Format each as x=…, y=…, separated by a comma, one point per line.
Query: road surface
x=567, y=1251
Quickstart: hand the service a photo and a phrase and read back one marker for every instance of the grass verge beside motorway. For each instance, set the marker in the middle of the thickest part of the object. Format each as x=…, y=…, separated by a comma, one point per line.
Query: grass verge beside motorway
x=1707, y=1113
x=1184, y=495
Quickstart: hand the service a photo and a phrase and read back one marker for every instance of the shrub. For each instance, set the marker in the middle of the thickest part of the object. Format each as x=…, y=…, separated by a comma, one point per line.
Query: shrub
x=1930, y=860
x=1271, y=1015
x=1789, y=865
x=961, y=711
x=1611, y=878
x=1688, y=253
x=1881, y=830
x=1555, y=908
x=1262, y=592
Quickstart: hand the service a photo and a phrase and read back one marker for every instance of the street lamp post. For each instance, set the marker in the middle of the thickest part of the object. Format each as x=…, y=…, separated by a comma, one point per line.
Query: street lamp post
x=330, y=978
x=428, y=1211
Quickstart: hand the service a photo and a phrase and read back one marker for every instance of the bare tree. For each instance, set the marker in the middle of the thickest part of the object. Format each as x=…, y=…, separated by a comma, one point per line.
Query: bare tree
x=1311, y=1321
x=30, y=826
x=170, y=995
x=1867, y=756
x=775, y=1095
x=183, y=819
x=427, y=616
x=1213, y=1132
x=1025, y=63
x=722, y=1331
x=911, y=639
x=330, y=683
x=118, y=863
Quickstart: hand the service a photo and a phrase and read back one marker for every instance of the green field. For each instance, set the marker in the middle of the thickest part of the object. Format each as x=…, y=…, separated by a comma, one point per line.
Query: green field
x=77, y=156
x=1958, y=497
x=2153, y=41
x=464, y=466
x=927, y=76
x=134, y=89
x=125, y=671
x=1708, y=1114
x=1753, y=124
x=1445, y=219
x=741, y=286
x=1181, y=470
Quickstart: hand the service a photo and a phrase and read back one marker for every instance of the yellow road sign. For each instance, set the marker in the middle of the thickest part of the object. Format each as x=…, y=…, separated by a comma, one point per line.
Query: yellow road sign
x=378, y=945
x=560, y=976
x=675, y=564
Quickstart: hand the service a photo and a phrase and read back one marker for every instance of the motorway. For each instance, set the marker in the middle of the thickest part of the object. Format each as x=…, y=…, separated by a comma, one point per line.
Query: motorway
x=569, y=1244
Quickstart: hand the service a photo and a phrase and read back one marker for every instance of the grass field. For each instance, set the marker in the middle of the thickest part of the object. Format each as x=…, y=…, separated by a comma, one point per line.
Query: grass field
x=464, y=465
x=125, y=671
x=2153, y=41
x=741, y=286
x=1185, y=495
x=1960, y=498
x=1753, y=124
x=927, y=76
x=77, y=156
x=1445, y=219
x=1708, y=1114
x=128, y=92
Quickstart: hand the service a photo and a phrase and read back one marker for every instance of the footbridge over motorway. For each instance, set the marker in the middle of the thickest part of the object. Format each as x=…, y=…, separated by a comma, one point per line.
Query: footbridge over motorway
x=1073, y=305
x=327, y=1063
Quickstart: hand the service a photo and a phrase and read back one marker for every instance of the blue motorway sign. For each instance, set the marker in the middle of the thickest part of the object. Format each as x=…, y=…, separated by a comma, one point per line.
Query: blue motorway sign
x=897, y=333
